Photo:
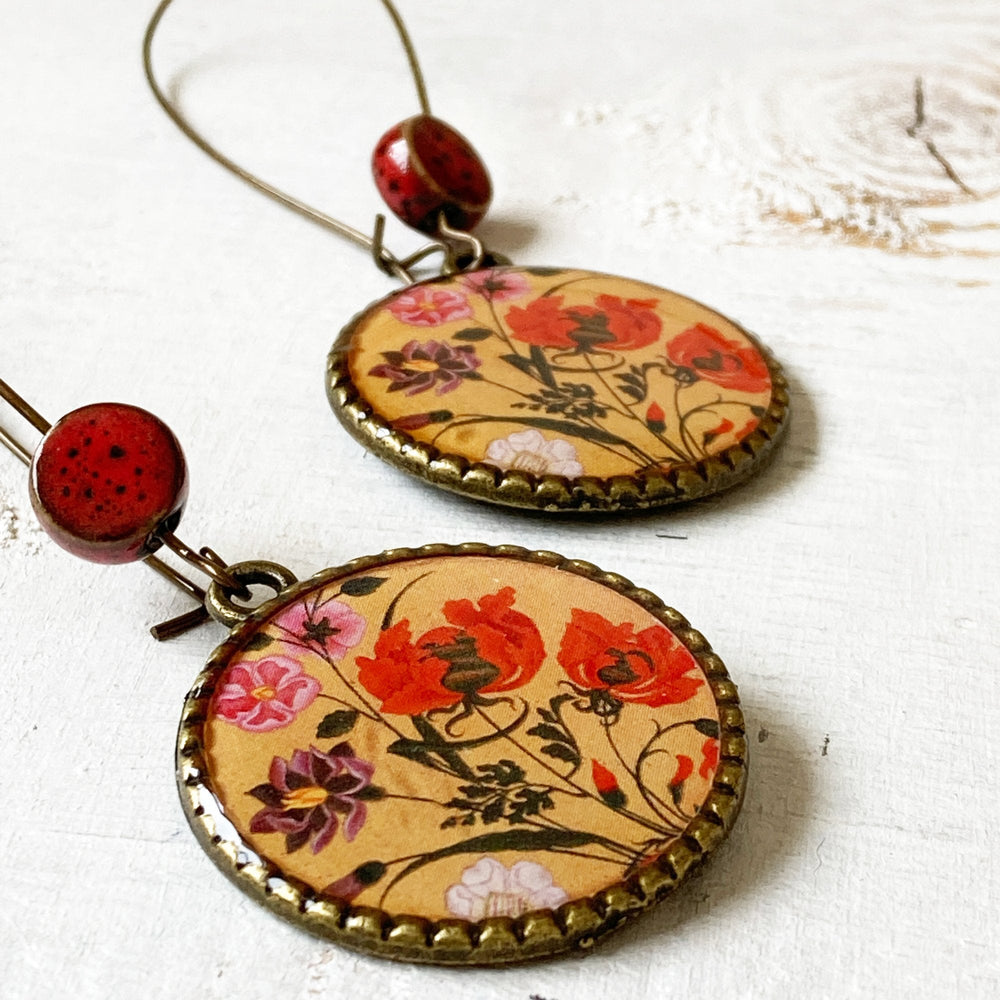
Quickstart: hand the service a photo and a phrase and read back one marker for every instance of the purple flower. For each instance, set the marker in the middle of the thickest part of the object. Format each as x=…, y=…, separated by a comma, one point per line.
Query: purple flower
x=307, y=796
x=418, y=366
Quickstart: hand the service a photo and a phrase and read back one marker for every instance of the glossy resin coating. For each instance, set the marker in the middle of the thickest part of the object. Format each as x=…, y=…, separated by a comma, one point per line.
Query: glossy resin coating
x=106, y=480
x=423, y=167
x=559, y=389
x=462, y=754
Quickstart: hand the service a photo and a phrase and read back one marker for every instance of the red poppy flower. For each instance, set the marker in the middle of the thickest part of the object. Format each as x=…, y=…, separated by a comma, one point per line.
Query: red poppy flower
x=727, y=363
x=543, y=322
x=611, y=323
x=649, y=667
x=405, y=675
x=487, y=649
x=632, y=321
x=503, y=638
x=709, y=758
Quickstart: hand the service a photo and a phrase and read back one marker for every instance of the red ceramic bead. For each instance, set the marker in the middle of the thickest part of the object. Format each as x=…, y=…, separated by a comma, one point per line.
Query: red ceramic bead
x=107, y=481
x=423, y=167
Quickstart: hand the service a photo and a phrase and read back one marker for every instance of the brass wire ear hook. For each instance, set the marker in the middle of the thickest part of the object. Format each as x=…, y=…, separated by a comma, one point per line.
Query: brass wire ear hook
x=205, y=559
x=456, y=244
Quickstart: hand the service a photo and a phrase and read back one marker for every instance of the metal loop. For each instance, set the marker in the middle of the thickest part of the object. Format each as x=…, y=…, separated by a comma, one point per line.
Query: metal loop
x=456, y=238
x=219, y=599
x=385, y=260
x=462, y=251
x=209, y=562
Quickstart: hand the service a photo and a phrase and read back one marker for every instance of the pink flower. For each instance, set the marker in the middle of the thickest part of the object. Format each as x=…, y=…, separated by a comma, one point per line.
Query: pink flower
x=427, y=306
x=496, y=284
x=330, y=624
x=488, y=889
x=266, y=694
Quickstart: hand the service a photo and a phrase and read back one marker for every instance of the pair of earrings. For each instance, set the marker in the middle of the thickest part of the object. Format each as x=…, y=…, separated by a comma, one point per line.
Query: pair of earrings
x=459, y=754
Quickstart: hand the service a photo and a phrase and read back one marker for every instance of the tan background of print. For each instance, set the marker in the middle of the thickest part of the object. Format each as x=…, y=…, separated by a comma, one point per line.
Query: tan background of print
x=240, y=760
x=753, y=155
x=378, y=330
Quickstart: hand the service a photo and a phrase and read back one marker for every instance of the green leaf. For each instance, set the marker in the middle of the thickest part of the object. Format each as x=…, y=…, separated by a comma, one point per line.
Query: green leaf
x=476, y=791
x=545, y=732
x=545, y=272
x=562, y=752
x=473, y=333
x=507, y=840
x=362, y=586
x=542, y=366
x=615, y=798
x=336, y=724
x=503, y=772
x=523, y=364
x=370, y=872
x=493, y=811
x=433, y=742
x=707, y=727
x=410, y=749
x=259, y=641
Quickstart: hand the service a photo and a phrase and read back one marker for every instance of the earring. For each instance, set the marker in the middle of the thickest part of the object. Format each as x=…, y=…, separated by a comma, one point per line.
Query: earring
x=547, y=388
x=458, y=754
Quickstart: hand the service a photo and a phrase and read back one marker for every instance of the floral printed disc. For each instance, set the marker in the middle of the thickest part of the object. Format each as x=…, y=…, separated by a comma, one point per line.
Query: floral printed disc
x=462, y=755
x=558, y=389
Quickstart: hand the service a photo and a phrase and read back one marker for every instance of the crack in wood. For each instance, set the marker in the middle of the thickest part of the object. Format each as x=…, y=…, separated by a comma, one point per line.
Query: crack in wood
x=919, y=120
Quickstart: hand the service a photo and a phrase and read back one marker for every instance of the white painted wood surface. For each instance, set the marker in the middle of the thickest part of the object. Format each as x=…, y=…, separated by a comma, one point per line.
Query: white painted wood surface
x=767, y=158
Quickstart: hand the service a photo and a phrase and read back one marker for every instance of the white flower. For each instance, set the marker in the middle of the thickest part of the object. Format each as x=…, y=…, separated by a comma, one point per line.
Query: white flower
x=528, y=451
x=488, y=889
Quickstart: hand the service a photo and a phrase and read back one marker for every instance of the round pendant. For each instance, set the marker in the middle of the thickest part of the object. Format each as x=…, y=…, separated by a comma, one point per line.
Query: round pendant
x=462, y=754
x=558, y=389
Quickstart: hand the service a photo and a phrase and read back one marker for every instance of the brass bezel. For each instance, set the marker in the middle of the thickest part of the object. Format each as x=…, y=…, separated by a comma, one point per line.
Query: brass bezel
x=587, y=494
x=576, y=925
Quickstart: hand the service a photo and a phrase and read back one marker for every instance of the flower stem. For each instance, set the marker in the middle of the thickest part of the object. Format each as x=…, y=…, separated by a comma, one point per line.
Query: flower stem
x=580, y=791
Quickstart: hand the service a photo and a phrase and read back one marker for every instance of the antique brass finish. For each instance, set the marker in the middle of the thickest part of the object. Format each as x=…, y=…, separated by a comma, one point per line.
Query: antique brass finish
x=577, y=925
x=680, y=483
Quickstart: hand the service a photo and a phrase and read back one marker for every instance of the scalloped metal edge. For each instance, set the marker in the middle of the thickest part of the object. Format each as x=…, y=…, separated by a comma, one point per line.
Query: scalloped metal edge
x=577, y=925
x=587, y=494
